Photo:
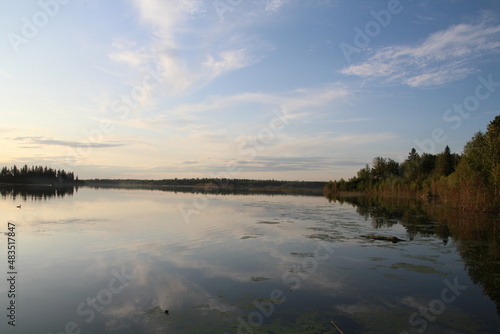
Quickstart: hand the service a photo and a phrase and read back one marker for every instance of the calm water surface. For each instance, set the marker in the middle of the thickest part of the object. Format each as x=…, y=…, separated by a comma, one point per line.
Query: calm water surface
x=112, y=261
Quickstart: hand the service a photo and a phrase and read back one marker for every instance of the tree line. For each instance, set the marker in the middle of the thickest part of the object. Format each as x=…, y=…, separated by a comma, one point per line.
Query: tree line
x=36, y=175
x=213, y=183
x=470, y=181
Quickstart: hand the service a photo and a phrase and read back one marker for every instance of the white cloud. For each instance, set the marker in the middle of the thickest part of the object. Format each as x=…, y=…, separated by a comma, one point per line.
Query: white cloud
x=196, y=117
x=303, y=99
x=165, y=20
x=439, y=76
x=167, y=17
x=125, y=52
x=207, y=130
x=226, y=61
x=191, y=47
x=443, y=57
x=274, y=5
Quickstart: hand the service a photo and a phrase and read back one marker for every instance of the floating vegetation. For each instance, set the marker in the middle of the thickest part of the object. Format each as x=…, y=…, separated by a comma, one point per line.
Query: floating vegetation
x=302, y=254
x=416, y=268
x=427, y=258
x=384, y=238
x=320, y=229
x=324, y=237
x=248, y=237
x=259, y=279
x=268, y=222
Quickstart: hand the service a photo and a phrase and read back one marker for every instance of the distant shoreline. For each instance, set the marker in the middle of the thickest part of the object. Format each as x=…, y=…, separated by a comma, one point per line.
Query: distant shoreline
x=214, y=184
x=207, y=185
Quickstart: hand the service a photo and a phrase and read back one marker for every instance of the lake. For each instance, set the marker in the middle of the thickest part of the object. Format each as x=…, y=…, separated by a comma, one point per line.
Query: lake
x=113, y=260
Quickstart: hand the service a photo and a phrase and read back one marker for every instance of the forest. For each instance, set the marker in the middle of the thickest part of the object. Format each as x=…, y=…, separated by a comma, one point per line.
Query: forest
x=213, y=184
x=470, y=181
x=37, y=175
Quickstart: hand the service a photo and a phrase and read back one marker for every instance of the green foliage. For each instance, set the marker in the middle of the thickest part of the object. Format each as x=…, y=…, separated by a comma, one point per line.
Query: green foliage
x=476, y=182
x=445, y=162
x=470, y=181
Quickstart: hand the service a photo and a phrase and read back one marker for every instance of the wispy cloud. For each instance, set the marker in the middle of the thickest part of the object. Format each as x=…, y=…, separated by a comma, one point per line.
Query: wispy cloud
x=197, y=117
x=240, y=51
x=191, y=47
x=445, y=56
x=274, y=5
x=350, y=120
x=260, y=164
x=278, y=164
x=43, y=141
x=127, y=52
x=317, y=145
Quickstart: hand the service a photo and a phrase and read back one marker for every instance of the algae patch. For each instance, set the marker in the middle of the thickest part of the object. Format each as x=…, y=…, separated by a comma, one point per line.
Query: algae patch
x=295, y=254
x=268, y=222
x=416, y=268
x=259, y=279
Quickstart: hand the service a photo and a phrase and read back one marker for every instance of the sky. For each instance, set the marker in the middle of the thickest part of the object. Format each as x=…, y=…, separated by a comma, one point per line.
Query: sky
x=262, y=89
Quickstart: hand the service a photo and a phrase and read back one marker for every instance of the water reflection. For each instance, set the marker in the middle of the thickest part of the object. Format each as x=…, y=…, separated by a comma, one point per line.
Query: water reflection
x=215, y=271
x=387, y=212
x=210, y=190
x=476, y=236
x=33, y=192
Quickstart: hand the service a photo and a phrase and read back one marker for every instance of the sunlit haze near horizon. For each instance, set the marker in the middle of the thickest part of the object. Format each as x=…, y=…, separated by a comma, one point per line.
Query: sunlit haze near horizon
x=265, y=89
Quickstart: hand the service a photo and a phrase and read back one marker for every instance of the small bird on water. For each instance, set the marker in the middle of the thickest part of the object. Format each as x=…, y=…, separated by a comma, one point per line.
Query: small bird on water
x=18, y=206
x=166, y=311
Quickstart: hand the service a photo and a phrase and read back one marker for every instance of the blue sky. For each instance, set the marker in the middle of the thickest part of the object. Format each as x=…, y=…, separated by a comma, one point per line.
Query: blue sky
x=283, y=89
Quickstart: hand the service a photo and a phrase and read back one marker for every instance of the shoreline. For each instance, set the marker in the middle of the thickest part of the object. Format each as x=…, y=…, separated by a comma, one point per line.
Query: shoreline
x=420, y=197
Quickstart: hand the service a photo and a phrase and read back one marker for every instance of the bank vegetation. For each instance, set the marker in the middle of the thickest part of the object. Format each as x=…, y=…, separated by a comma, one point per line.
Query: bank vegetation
x=470, y=181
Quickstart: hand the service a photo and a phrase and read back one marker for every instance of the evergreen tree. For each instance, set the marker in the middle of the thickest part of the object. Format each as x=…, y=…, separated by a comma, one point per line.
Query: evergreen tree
x=444, y=163
x=411, y=166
